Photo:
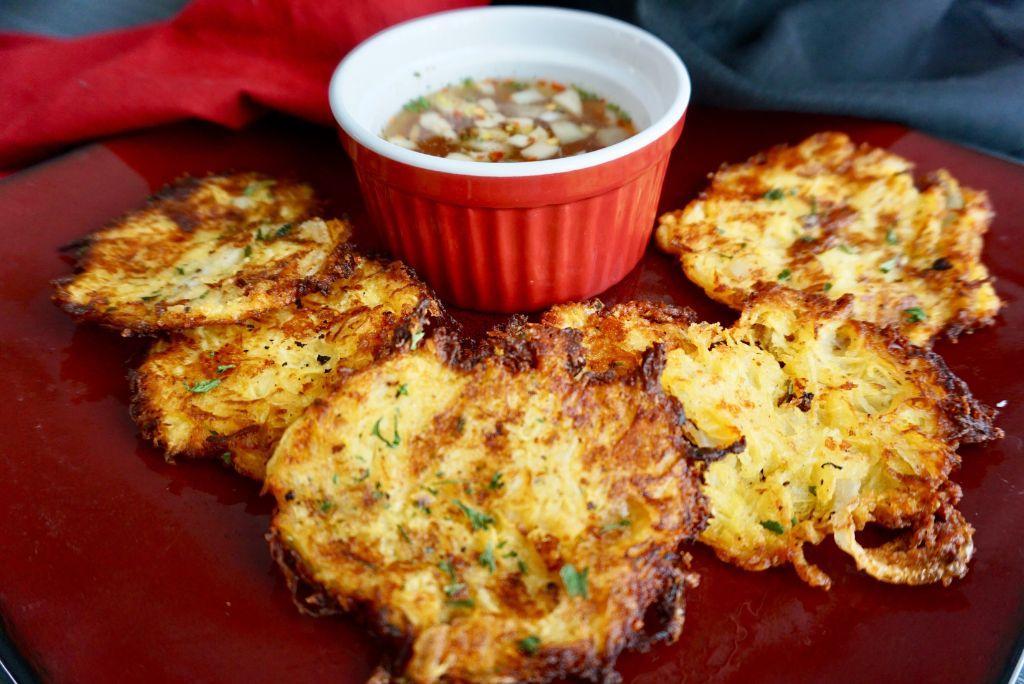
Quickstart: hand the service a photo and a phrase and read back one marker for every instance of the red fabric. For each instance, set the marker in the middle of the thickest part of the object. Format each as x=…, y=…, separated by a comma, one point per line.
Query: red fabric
x=220, y=60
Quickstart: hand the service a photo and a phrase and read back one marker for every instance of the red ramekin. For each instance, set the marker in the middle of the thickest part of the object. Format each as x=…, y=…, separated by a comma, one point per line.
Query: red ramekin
x=513, y=236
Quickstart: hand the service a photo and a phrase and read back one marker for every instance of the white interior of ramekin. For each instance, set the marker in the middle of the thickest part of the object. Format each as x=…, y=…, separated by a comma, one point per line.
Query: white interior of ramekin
x=620, y=62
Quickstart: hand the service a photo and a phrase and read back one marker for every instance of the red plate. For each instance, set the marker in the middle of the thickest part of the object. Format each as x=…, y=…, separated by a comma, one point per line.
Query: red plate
x=117, y=566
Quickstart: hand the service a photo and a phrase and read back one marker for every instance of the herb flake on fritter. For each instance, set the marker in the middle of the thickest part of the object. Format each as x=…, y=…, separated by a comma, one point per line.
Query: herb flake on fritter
x=843, y=424
x=835, y=218
x=502, y=513
x=229, y=391
x=218, y=249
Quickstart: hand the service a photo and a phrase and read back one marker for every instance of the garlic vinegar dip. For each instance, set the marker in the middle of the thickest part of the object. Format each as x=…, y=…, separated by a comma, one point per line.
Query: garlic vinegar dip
x=508, y=120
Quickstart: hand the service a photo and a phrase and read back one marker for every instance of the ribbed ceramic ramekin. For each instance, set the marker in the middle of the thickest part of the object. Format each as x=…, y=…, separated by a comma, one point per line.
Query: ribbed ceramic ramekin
x=513, y=236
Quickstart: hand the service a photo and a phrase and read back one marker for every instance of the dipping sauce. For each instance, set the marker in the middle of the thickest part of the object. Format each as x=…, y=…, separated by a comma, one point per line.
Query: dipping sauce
x=505, y=120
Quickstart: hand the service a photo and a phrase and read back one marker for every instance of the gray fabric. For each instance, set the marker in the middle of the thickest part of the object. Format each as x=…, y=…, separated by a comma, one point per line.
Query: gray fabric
x=69, y=18
x=954, y=68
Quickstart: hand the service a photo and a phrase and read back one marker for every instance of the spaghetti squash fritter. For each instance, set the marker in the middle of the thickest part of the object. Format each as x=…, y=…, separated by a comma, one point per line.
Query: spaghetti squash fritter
x=845, y=424
x=229, y=391
x=219, y=249
x=834, y=218
x=500, y=513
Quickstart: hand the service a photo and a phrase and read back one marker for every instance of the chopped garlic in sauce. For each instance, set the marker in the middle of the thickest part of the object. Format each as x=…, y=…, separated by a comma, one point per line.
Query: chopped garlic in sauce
x=501, y=120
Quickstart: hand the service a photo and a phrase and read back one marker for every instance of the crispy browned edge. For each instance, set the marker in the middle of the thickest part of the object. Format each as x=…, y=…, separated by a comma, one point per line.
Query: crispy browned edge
x=663, y=595
x=962, y=323
x=964, y=418
x=657, y=312
x=936, y=532
x=167, y=198
x=428, y=315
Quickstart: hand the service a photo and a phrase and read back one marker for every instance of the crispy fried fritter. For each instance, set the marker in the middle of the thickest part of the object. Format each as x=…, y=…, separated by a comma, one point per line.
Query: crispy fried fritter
x=230, y=390
x=505, y=515
x=844, y=424
x=834, y=218
x=214, y=250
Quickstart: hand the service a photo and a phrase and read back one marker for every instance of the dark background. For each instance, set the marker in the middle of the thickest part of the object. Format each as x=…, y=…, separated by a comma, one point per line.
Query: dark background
x=953, y=68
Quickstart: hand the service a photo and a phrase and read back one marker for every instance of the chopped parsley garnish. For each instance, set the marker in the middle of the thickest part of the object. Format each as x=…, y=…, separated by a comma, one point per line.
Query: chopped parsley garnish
x=915, y=314
x=496, y=482
x=226, y=457
x=890, y=237
x=521, y=565
x=394, y=441
x=461, y=603
x=149, y=298
x=617, y=525
x=784, y=274
x=416, y=338
x=283, y=230
x=772, y=526
x=403, y=389
x=584, y=94
x=254, y=187
x=834, y=465
x=405, y=536
x=468, y=82
x=326, y=505
x=203, y=386
x=454, y=588
x=363, y=476
x=846, y=249
x=813, y=489
x=774, y=194
x=617, y=111
x=179, y=270
x=225, y=367
x=447, y=568
x=529, y=645
x=418, y=104
x=247, y=252
x=575, y=581
x=487, y=557
x=826, y=287
x=887, y=266
x=479, y=521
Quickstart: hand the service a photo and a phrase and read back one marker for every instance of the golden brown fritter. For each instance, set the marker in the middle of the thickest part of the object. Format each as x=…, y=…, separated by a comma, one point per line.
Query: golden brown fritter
x=219, y=249
x=230, y=390
x=834, y=218
x=844, y=424
x=503, y=514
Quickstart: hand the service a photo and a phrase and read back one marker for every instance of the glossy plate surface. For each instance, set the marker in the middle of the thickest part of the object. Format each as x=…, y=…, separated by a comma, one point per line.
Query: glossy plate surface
x=118, y=566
